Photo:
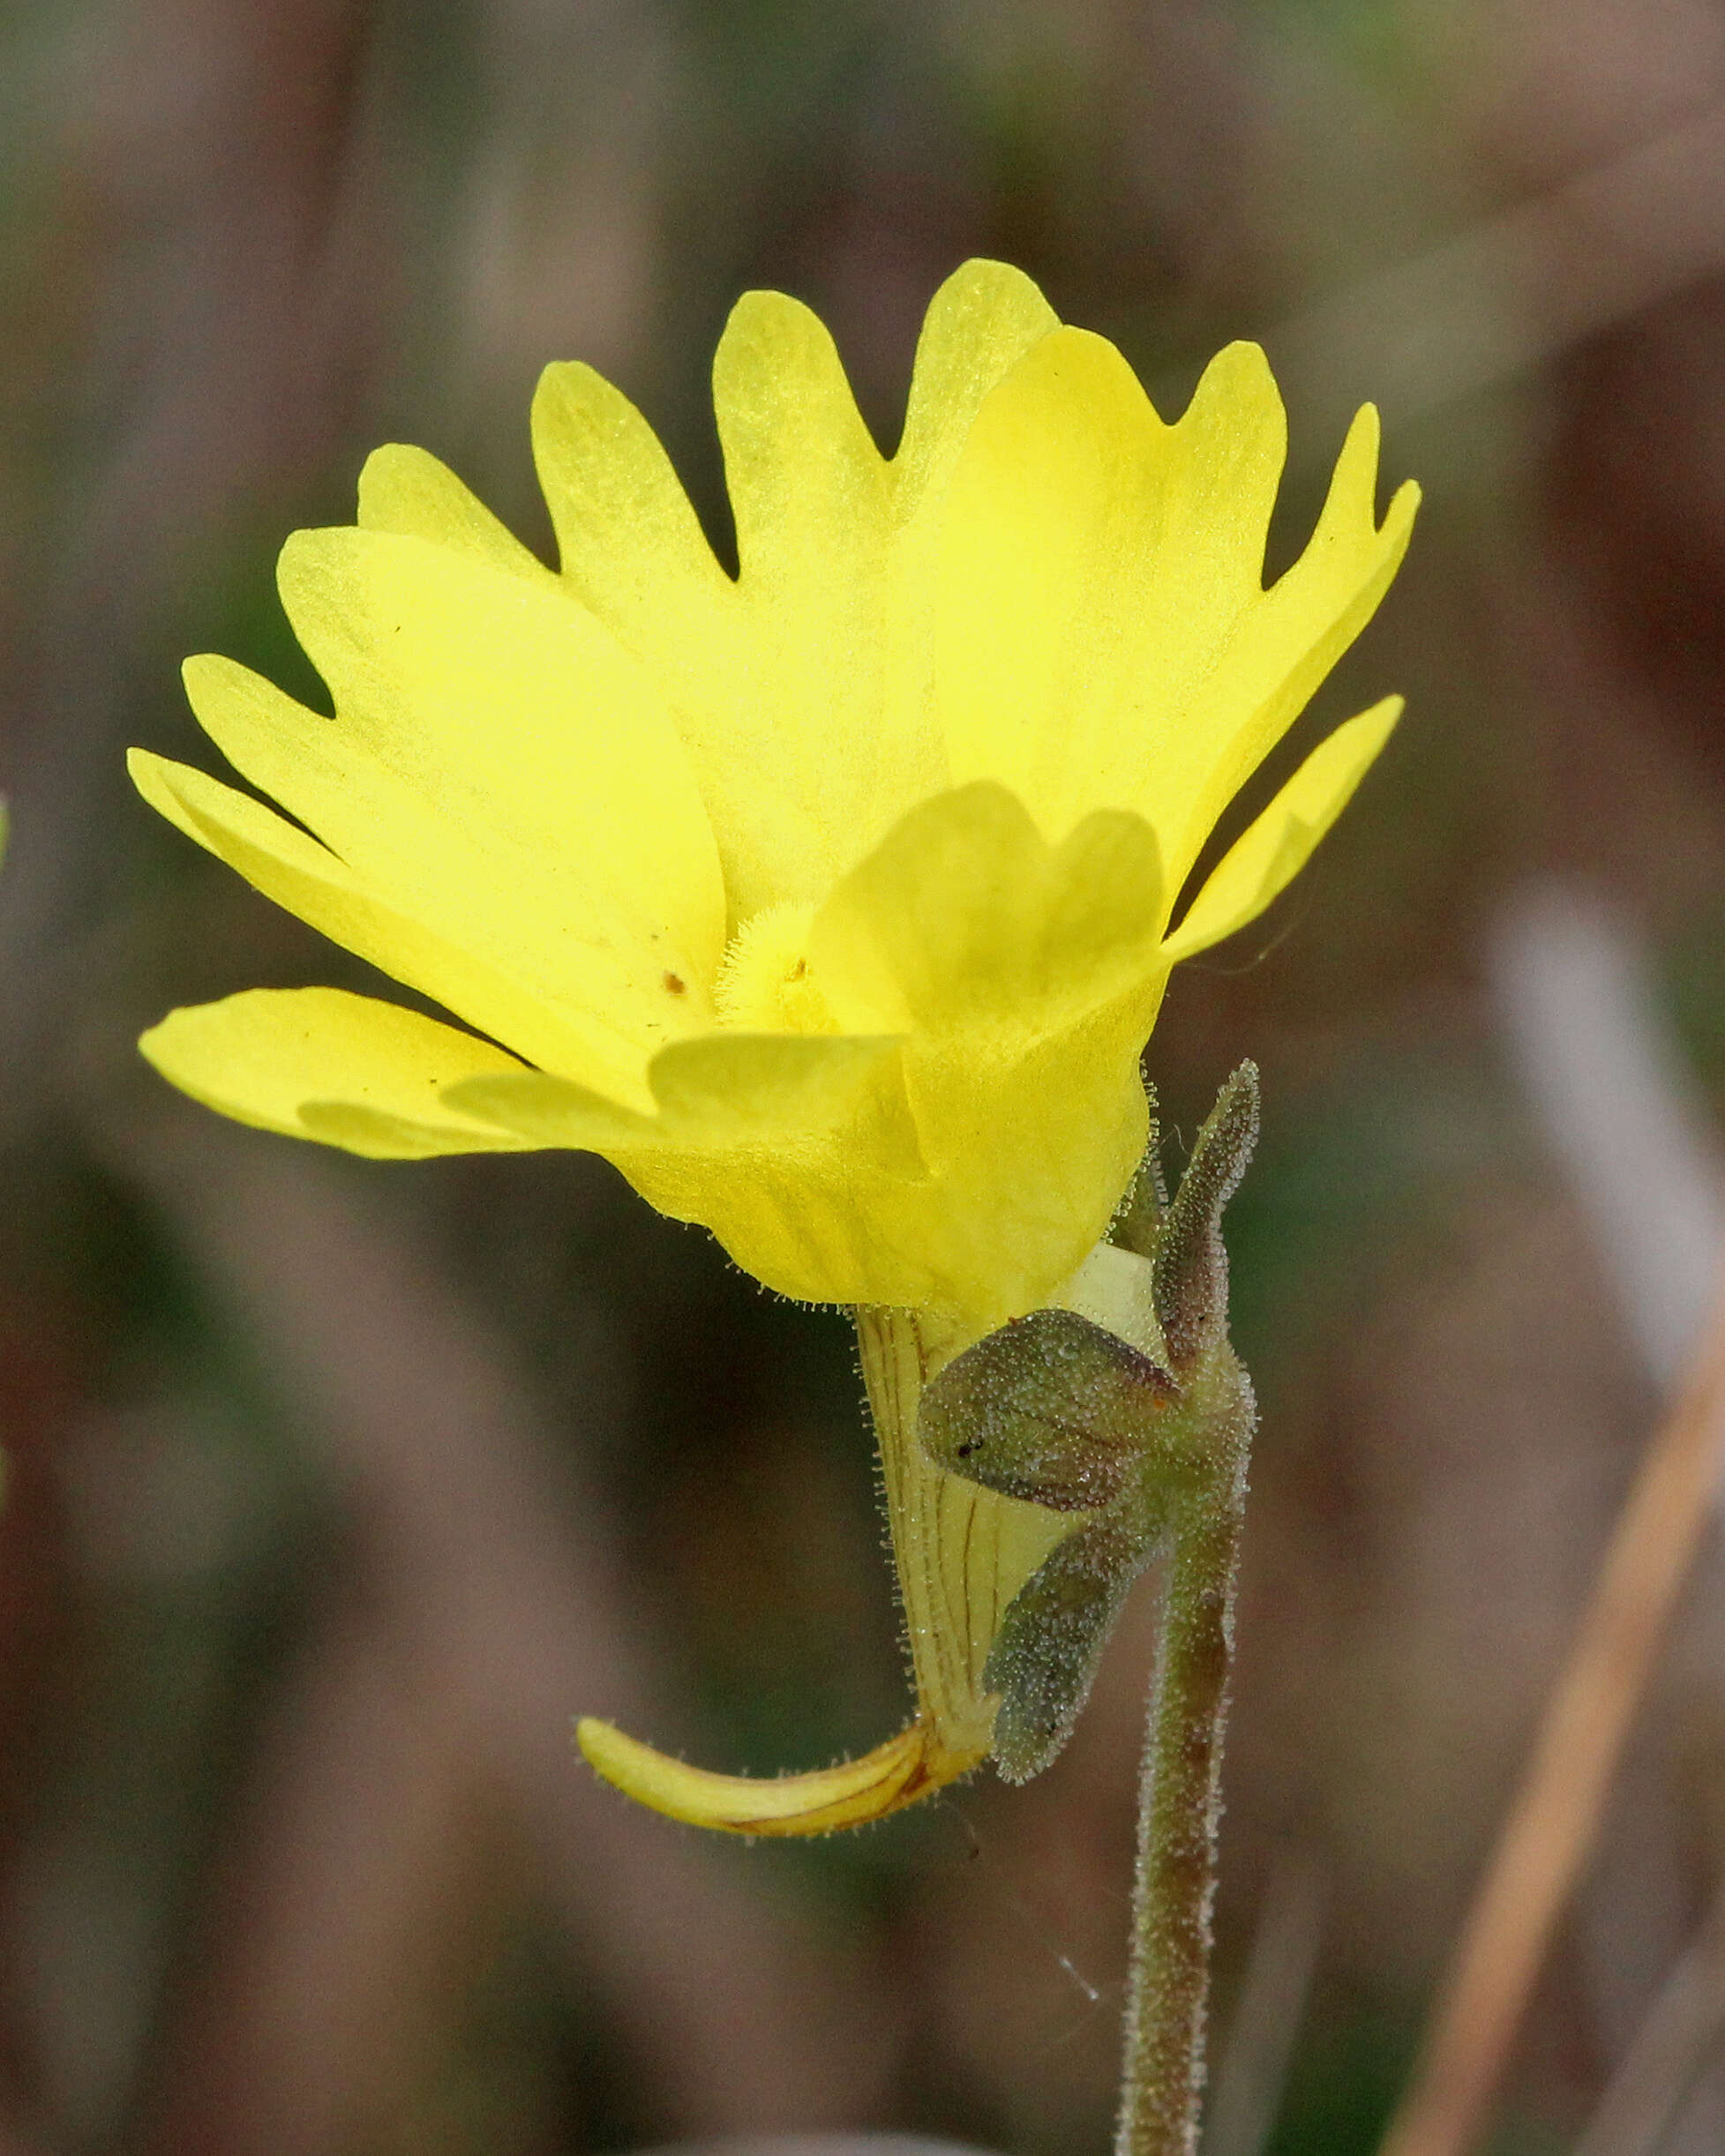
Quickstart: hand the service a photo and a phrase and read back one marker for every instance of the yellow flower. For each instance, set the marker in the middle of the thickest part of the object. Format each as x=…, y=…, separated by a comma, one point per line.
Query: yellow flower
x=830, y=902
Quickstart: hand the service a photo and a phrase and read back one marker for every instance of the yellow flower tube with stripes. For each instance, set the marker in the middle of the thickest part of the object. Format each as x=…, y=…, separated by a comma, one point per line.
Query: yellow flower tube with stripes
x=833, y=901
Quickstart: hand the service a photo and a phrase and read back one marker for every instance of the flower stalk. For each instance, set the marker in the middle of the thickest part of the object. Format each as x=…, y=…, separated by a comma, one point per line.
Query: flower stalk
x=1179, y=1810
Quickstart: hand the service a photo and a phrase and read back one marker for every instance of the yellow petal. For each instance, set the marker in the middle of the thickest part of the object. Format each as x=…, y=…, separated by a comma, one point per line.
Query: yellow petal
x=772, y=1140
x=983, y=319
x=1273, y=850
x=285, y=865
x=514, y=713
x=1024, y=979
x=808, y=484
x=1103, y=635
x=803, y=692
x=1296, y=632
x=774, y=682
x=1082, y=588
x=630, y=544
x=270, y=1057
x=616, y=970
x=633, y=550
x=812, y=502
x=835, y=546
x=912, y=1764
x=979, y=324
x=406, y=490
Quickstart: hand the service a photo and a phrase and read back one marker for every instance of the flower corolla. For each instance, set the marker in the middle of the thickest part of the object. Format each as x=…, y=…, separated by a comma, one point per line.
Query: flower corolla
x=832, y=901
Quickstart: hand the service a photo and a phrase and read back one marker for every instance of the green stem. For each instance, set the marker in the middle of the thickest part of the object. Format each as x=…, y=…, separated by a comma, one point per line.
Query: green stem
x=1179, y=1807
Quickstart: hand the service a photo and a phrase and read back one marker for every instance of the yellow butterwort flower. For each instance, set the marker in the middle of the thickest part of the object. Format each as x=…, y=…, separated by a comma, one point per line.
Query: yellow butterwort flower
x=830, y=902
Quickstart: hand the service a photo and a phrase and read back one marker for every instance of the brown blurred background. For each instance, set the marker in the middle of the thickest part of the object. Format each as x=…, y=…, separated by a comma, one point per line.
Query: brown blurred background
x=337, y=1489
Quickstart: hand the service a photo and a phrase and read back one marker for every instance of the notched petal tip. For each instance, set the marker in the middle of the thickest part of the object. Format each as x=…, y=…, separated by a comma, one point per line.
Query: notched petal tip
x=405, y=490
x=908, y=1767
x=773, y=348
x=985, y=278
x=1353, y=483
x=985, y=316
x=1404, y=504
x=1239, y=377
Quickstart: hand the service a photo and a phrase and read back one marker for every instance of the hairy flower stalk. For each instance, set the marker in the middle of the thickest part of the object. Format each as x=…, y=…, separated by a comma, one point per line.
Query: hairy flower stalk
x=833, y=901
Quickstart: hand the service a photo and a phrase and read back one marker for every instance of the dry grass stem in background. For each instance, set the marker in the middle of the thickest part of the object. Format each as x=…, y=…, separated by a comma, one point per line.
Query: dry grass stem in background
x=1553, y=1820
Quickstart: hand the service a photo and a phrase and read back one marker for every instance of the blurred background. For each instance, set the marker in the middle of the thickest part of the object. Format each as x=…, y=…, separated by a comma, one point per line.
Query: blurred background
x=335, y=1489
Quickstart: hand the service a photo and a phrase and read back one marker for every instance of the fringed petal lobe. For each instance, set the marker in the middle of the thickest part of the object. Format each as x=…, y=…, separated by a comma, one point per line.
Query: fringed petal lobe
x=1103, y=635
x=279, y=859
x=1294, y=635
x=515, y=715
x=408, y=492
x=1272, y=851
x=803, y=691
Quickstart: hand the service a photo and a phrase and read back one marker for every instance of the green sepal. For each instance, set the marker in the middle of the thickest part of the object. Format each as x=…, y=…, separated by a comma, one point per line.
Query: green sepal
x=1044, y=1655
x=1137, y=1222
x=1190, y=1260
x=1052, y=1408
